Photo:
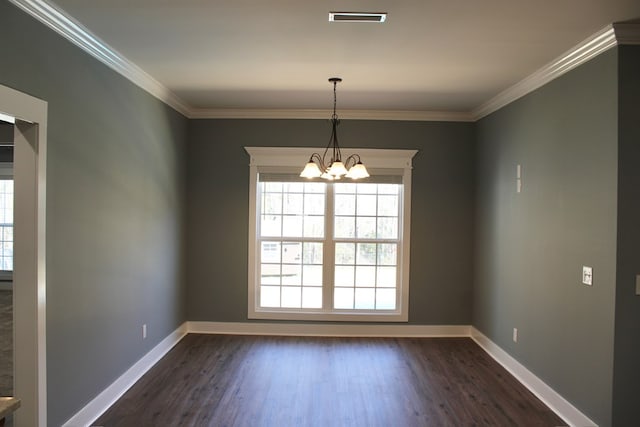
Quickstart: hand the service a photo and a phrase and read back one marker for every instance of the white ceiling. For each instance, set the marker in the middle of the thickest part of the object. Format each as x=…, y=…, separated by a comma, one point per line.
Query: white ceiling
x=430, y=55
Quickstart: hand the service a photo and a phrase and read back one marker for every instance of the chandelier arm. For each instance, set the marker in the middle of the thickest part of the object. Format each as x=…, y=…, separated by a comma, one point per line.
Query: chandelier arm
x=316, y=158
x=355, y=158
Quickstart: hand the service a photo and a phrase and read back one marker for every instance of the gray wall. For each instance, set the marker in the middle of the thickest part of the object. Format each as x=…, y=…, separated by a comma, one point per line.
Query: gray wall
x=531, y=246
x=627, y=336
x=114, y=211
x=442, y=209
x=6, y=132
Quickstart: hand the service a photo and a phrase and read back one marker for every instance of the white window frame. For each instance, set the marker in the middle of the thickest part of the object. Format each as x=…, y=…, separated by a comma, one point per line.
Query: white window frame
x=288, y=157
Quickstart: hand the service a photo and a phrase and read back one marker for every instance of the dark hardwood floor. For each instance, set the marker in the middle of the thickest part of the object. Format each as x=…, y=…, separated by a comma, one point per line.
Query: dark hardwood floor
x=223, y=380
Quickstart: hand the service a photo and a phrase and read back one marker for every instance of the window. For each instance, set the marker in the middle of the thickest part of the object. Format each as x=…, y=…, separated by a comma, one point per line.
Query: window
x=329, y=251
x=6, y=221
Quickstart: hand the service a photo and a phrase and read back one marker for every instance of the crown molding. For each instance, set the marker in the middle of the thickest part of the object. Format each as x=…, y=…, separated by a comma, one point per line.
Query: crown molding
x=443, y=116
x=63, y=24
x=583, y=52
x=627, y=33
x=76, y=33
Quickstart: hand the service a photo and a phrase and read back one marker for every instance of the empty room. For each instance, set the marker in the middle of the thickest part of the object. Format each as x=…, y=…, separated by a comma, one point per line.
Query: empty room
x=297, y=213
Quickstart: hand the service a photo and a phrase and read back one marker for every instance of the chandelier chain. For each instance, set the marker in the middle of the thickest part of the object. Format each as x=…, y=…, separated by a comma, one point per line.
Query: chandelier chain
x=334, y=116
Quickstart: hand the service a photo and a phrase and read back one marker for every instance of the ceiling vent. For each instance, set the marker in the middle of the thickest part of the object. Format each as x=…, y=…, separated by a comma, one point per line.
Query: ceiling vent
x=357, y=17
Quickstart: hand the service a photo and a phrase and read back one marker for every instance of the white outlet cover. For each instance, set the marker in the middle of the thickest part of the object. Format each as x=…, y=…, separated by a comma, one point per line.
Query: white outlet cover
x=587, y=275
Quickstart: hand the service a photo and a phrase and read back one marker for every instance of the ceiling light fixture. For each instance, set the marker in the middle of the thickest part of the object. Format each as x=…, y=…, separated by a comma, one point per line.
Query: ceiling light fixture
x=379, y=17
x=333, y=168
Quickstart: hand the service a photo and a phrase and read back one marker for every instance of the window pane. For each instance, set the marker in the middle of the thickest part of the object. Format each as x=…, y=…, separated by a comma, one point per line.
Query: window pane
x=8, y=233
x=292, y=252
x=387, y=253
x=312, y=253
x=312, y=275
x=388, y=205
x=272, y=203
x=386, y=299
x=345, y=253
x=271, y=225
x=314, y=226
x=270, y=252
x=366, y=253
x=365, y=299
x=344, y=276
x=345, y=204
x=386, y=277
x=345, y=227
x=311, y=297
x=366, y=204
x=343, y=298
x=291, y=274
x=387, y=228
x=270, y=274
x=270, y=296
x=292, y=204
x=366, y=227
x=292, y=226
x=365, y=276
x=291, y=296
x=314, y=204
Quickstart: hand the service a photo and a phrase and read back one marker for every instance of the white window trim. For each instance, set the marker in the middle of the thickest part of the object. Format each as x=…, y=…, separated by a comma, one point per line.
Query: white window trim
x=297, y=157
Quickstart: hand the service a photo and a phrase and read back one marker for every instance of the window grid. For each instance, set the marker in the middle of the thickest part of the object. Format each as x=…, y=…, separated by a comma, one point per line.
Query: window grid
x=291, y=231
x=366, y=271
x=291, y=266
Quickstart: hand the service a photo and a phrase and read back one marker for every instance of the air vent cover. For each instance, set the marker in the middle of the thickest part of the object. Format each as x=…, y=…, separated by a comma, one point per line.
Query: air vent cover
x=357, y=17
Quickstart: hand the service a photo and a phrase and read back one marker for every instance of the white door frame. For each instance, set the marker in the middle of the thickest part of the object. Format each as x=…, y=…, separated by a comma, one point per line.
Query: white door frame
x=29, y=278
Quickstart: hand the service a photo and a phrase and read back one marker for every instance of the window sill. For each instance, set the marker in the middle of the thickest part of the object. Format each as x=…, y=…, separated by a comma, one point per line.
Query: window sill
x=329, y=316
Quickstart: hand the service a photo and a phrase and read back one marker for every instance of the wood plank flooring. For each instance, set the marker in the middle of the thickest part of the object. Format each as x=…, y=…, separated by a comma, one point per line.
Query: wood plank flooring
x=6, y=343
x=223, y=380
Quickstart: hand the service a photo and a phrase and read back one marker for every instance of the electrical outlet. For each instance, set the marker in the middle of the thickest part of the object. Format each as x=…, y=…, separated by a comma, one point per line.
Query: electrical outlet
x=144, y=331
x=515, y=334
x=587, y=275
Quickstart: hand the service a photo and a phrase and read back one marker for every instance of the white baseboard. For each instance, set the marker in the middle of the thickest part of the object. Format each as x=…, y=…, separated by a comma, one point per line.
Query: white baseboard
x=111, y=394
x=546, y=394
x=328, y=330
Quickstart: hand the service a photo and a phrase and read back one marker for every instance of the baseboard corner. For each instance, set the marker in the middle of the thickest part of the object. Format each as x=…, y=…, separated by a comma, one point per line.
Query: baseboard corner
x=96, y=407
x=558, y=404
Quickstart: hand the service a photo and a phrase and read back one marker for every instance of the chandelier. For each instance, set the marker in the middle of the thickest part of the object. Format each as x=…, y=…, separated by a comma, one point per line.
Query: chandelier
x=333, y=168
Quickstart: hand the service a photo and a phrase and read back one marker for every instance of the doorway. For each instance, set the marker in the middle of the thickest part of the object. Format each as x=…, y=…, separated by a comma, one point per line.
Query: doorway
x=6, y=259
x=29, y=279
